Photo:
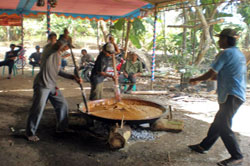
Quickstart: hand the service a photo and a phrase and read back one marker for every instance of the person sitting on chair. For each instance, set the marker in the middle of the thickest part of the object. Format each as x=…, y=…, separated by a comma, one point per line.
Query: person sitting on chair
x=86, y=58
x=10, y=57
x=35, y=57
x=130, y=71
x=64, y=62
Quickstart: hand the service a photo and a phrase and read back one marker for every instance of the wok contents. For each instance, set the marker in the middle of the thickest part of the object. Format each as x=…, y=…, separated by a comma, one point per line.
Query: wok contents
x=124, y=111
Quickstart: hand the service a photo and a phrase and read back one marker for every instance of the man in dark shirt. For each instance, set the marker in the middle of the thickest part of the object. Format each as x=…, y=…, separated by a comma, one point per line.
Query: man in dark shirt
x=10, y=57
x=99, y=73
x=35, y=57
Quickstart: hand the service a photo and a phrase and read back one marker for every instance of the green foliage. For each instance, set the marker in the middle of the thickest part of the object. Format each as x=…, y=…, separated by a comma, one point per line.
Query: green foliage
x=119, y=24
x=136, y=33
x=244, y=10
x=149, y=20
x=137, y=30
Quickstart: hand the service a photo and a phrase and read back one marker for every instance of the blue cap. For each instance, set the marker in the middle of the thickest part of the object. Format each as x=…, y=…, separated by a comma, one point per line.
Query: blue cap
x=37, y=47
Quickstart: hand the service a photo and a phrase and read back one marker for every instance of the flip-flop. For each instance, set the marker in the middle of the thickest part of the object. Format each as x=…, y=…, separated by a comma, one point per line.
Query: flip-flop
x=33, y=138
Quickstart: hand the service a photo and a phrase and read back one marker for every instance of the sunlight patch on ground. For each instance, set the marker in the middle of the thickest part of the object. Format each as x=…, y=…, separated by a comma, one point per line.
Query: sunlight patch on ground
x=205, y=110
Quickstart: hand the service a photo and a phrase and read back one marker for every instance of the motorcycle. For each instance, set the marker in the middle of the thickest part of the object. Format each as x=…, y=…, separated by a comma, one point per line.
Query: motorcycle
x=21, y=59
x=86, y=71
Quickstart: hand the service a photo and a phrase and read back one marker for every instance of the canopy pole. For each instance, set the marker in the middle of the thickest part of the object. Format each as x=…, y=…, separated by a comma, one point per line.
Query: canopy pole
x=48, y=17
x=22, y=40
x=127, y=38
x=97, y=35
x=154, y=46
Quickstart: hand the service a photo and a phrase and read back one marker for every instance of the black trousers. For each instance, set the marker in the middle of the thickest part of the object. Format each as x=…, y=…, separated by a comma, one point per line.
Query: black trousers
x=221, y=127
x=9, y=63
x=35, y=64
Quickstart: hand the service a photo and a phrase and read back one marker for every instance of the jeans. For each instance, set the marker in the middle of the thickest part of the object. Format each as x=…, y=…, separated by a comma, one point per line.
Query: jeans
x=221, y=127
x=40, y=97
x=130, y=78
x=9, y=63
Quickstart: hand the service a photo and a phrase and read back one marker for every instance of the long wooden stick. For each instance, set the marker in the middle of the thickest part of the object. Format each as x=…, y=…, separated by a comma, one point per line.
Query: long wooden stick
x=117, y=89
x=77, y=74
x=127, y=39
x=149, y=92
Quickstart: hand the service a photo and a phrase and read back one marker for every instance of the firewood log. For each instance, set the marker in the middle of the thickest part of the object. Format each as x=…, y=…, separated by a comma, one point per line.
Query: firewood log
x=118, y=136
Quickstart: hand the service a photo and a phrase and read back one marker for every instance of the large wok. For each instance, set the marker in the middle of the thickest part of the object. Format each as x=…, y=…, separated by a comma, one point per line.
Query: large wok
x=92, y=104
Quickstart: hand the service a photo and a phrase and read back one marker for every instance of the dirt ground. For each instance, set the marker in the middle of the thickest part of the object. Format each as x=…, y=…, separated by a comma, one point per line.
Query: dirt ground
x=85, y=149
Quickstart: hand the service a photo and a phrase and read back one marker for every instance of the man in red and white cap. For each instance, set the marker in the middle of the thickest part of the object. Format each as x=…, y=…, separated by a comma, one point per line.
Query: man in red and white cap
x=99, y=73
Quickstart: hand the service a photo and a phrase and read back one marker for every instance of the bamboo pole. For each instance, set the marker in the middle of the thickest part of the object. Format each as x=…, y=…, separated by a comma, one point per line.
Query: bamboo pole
x=127, y=39
x=197, y=25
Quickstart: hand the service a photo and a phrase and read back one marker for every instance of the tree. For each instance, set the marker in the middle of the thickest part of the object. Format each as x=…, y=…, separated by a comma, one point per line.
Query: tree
x=244, y=10
x=137, y=30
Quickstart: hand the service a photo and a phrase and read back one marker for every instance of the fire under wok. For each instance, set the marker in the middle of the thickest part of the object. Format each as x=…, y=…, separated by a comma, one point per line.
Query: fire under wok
x=131, y=111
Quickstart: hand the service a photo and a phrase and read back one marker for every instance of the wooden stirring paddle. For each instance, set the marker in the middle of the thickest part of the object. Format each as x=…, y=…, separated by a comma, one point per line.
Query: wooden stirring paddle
x=117, y=89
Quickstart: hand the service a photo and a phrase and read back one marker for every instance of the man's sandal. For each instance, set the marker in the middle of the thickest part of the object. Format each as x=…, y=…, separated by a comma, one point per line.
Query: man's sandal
x=33, y=138
x=197, y=148
x=230, y=162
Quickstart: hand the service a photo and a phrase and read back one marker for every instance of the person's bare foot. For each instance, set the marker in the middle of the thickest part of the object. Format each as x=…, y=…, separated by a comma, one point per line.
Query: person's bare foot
x=33, y=138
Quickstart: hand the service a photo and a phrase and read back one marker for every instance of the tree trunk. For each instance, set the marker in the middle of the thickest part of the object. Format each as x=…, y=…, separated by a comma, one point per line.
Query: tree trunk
x=247, y=38
x=207, y=37
x=103, y=27
x=184, y=33
x=8, y=33
x=98, y=36
x=164, y=34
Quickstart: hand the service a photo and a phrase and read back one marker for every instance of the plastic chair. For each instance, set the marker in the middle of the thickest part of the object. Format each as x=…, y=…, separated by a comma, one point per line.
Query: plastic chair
x=125, y=86
x=33, y=70
x=82, y=74
x=15, y=72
